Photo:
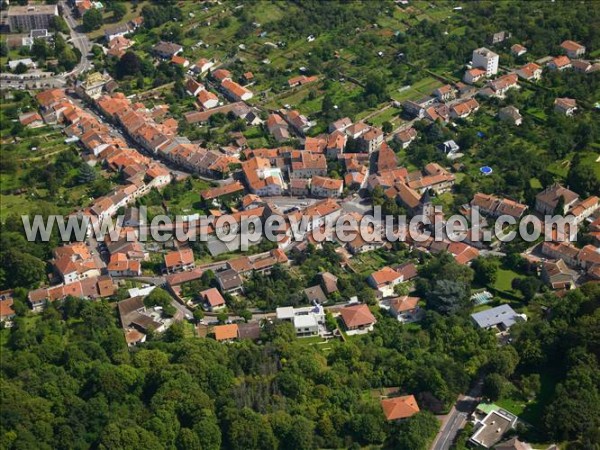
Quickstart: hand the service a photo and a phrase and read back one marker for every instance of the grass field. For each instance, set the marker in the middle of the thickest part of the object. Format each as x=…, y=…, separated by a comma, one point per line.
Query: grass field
x=417, y=90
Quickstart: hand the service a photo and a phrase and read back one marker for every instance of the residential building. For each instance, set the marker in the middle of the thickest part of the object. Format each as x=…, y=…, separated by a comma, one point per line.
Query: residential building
x=309, y=165
x=278, y=127
x=229, y=281
x=511, y=115
x=213, y=300
x=180, y=61
x=179, y=260
x=406, y=309
x=530, y=72
x=262, y=178
x=116, y=31
x=486, y=59
x=340, y=124
x=399, y=408
x=371, y=140
x=31, y=17
x=498, y=37
x=489, y=431
x=31, y=120
x=473, y=75
x=560, y=63
x=202, y=66
x=226, y=333
x=493, y=206
x=501, y=318
x=298, y=122
x=225, y=192
x=573, y=49
x=566, y=106
x=518, y=50
x=464, y=108
x=547, y=200
x=405, y=137
x=306, y=320
x=167, y=50
x=7, y=311
x=384, y=280
x=235, y=91
x=301, y=80
x=357, y=319
x=299, y=187
x=513, y=444
x=445, y=93
x=121, y=266
x=557, y=275
x=326, y=187
x=501, y=85
x=207, y=99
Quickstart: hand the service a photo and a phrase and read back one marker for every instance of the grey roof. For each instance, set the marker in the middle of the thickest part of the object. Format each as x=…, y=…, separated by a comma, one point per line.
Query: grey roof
x=315, y=293
x=229, y=279
x=502, y=314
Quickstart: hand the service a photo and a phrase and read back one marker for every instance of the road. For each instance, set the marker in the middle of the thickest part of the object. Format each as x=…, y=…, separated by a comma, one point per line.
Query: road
x=39, y=79
x=457, y=417
x=79, y=41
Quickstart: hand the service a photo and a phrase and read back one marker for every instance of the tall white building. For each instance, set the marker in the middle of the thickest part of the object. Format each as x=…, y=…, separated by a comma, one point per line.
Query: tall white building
x=487, y=60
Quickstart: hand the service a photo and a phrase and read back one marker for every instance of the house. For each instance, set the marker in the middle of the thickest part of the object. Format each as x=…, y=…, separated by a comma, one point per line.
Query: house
x=221, y=74
x=306, y=320
x=450, y=147
x=326, y=187
x=547, y=200
x=203, y=65
x=585, y=208
x=7, y=311
x=496, y=206
x=309, y=165
x=489, y=431
x=511, y=115
x=501, y=85
x=473, y=75
x=560, y=63
x=501, y=318
x=329, y=282
x=399, y=408
x=464, y=108
x=566, y=106
x=356, y=130
x=405, y=137
x=299, y=187
x=180, y=61
x=487, y=60
x=340, y=124
x=226, y=333
x=498, y=37
x=116, y=31
x=207, y=99
x=386, y=158
x=301, y=80
x=581, y=66
x=235, y=91
x=315, y=294
x=530, y=72
x=557, y=275
x=371, y=140
x=445, y=93
x=384, y=281
x=573, y=49
x=121, y=266
x=437, y=112
x=223, y=192
x=518, y=50
x=31, y=120
x=357, y=319
x=167, y=50
x=298, y=122
x=179, y=260
x=229, y=281
x=262, y=178
x=406, y=309
x=278, y=127
x=213, y=299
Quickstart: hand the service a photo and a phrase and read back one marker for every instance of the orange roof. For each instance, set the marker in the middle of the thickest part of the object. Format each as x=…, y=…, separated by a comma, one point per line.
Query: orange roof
x=561, y=61
x=400, y=407
x=179, y=257
x=6, y=308
x=178, y=60
x=357, y=316
x=327, y=183
x=213, y=297
x=405, y=303
x=226, y=332
x=234, y=88
x=571, y=46
x=385, y=275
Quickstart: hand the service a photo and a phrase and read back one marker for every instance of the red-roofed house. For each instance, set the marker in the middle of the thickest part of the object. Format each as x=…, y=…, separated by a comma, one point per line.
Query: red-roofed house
x=179, y=260
x=213, y=299
x=573, y=49
x=384, y=281
x=357, y=319
x=399, y=408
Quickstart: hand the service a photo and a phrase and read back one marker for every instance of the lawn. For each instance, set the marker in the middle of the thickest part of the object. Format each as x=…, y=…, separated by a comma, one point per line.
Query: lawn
x=417, y=90
x=366, y=263
x=504, y=282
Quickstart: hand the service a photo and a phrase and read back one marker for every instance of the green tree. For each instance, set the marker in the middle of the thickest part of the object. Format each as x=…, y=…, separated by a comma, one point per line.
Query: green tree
x=92, y=20
x=493, y=386
x=415, y=433
x=387, y=127
x=486, y=270
x=119, y=9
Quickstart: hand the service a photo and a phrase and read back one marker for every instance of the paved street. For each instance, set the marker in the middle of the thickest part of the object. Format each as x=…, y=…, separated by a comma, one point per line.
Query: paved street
x=456, y=418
